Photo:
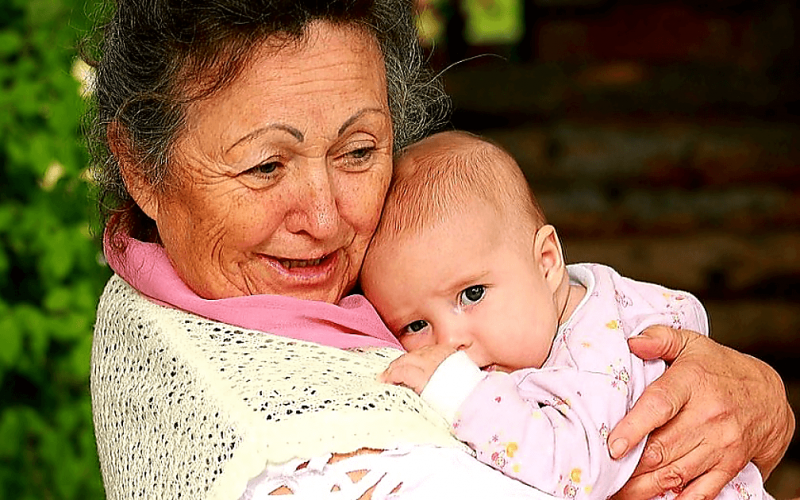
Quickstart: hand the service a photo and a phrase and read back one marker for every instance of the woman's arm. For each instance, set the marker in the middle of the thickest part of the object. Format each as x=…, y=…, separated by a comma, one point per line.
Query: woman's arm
x=713, y=410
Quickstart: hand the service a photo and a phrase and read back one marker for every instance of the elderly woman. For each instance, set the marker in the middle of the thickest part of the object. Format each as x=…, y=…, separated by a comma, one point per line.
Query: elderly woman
x=245, y=148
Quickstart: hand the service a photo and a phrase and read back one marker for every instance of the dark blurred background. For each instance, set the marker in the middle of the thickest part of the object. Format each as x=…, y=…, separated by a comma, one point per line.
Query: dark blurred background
x=659, y=136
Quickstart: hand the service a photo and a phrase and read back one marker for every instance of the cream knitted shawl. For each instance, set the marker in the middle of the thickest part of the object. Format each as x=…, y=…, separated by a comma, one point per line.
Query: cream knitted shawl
x=185, y=407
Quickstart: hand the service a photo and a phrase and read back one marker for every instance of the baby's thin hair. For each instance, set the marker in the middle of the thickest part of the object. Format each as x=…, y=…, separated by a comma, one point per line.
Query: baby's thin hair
x=441, y=175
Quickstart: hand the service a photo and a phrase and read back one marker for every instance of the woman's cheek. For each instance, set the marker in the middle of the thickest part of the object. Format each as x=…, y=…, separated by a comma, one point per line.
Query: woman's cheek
x=361, y=201
x=253, y=217
x=379, y=195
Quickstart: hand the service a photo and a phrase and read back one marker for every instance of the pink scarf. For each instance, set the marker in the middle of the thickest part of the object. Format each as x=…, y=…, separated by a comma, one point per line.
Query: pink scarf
x=353, y=322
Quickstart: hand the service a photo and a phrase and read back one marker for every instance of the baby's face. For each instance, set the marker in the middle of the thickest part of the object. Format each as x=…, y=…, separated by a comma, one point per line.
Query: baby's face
x=468, y=283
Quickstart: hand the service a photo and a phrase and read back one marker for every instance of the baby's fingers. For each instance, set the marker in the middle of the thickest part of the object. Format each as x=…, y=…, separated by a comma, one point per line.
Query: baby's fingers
x=400, y=372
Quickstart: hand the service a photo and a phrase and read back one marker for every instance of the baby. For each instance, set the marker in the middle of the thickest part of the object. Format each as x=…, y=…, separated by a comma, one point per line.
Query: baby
x=525, y=356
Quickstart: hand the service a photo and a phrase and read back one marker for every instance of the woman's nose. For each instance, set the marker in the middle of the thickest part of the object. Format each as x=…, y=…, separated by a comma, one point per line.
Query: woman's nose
x=316, y=212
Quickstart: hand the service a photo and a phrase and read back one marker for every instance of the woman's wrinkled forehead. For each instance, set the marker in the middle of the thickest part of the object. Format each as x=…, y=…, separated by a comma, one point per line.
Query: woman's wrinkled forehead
x=317, y=83
x=286, y=81
x=211, y=69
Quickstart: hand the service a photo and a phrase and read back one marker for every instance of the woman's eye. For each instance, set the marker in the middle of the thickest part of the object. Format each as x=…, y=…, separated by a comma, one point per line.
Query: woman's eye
x=265, y=169
x=416, y=326
x=472, y=295
x=358, y=157
x=360, y=153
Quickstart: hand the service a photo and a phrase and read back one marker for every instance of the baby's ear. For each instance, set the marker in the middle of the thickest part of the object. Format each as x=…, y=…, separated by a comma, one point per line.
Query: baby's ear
x=140, y=188
x=548, y=255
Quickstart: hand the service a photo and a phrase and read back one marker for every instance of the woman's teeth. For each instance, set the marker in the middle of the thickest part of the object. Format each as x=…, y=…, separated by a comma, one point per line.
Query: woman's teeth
x=289, y=264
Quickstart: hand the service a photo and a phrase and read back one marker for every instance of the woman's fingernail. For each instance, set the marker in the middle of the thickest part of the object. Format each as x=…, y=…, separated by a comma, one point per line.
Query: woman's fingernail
x=619, y=447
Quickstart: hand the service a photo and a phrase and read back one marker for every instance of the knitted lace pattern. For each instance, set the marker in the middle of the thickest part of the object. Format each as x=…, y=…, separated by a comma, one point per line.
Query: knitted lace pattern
x=185, y=407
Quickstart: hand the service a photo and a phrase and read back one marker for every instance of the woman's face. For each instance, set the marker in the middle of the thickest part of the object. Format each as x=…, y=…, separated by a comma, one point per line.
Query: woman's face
x=279, y=178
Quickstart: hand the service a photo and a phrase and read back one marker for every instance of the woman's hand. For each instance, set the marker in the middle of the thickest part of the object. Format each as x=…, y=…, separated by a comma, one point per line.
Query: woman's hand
x=714, y=409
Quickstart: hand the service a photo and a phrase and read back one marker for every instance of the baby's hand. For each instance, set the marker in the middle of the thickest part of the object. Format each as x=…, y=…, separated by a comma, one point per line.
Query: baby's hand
x=415, y=368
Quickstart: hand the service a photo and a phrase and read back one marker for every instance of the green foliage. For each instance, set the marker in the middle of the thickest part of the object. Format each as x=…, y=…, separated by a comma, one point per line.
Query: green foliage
x=50, y=267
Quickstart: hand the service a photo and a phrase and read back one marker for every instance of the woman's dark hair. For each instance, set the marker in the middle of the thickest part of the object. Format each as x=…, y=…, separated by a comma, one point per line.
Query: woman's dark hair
x=150, y=49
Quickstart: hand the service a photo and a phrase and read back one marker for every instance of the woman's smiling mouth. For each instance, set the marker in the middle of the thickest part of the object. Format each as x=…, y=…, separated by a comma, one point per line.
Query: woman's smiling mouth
x=291, y=263
x=307, y=270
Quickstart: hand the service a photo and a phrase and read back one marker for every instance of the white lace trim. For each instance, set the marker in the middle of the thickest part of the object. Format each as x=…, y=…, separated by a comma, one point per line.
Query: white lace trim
x=185, y=407
x=412, y=473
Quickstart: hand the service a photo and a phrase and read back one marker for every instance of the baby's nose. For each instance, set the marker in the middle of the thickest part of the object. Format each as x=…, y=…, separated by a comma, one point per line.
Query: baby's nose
x=454, y=336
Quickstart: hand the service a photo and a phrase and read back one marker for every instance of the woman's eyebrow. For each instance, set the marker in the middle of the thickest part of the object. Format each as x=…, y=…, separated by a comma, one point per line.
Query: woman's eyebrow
x=356, y=116
x=297, y=134
x=272, y=126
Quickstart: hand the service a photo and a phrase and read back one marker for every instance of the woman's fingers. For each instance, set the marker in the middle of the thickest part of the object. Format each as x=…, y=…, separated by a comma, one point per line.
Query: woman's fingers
x=662, y=400
x=659, y=404
x=660, y=342
x=714, y=409
x=706, y=486
x=679, y=476
x=707, y=422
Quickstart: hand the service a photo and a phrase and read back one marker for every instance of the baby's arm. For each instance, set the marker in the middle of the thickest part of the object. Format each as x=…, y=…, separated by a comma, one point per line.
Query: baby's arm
x=534, y=425
x=545, y=427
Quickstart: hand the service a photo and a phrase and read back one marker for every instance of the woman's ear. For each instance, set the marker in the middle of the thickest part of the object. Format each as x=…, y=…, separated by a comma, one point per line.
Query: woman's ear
x=548, y=256
x=137, y=184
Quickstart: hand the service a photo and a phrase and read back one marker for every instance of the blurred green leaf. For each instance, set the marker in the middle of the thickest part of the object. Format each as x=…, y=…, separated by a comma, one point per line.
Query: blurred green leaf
x=59, y=254
x=57, y=300
x=12, y=341
x=10, y=43
x=50, y=276
x=10, y=433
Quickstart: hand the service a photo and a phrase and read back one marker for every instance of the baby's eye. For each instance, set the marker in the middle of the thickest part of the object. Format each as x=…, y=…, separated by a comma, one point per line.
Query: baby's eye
x=415, y=326
x=472, y=295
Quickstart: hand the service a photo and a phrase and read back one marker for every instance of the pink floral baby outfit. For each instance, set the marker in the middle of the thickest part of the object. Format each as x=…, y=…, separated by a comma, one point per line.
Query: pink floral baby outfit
x=548, y=427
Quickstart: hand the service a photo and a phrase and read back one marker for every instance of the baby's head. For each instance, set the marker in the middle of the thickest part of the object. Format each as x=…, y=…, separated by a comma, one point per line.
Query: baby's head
x=463, y=255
